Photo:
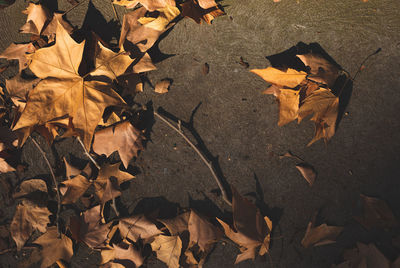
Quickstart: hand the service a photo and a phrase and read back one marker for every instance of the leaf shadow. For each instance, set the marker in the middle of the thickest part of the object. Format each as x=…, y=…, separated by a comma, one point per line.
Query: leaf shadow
x=157, y=205
x=94, y=21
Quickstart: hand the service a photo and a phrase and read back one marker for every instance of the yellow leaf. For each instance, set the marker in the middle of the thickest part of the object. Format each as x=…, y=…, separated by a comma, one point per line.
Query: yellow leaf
x=290, y=78
x=288, y=106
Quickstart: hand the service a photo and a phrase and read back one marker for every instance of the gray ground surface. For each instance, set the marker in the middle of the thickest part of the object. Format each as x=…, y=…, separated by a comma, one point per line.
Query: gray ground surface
x=238, y=124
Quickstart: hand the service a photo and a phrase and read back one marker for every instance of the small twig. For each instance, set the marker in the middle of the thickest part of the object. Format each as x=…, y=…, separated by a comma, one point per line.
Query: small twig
x=78, y=4
x=87, y=153
x=114, y=207
x=362, y=63
x=54, y=181
x=208, y=164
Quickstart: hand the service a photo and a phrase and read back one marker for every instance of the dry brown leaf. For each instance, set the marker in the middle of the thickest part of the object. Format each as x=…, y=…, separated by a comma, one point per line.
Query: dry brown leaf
x=324, y=106
x=322, y=71
x=137, y=227
x=90, y=229
x=145, y=31
x=18, y=52
x=320, y=235
x=53, y=247
x=307, y=171
x=201, y=10
x=168, y=249
x=108, y=180
x=51, y=28
x=288, y=106
x=178, y=224
x=122, y=137
x=150, y=5
x=162, y=86
x=37, y=17
x=28, y=217
x=109, y=63
x=18, y=88
x=122, y=253
x=291, y=78
x=30, y=186
x=67, y=93
x=365, y=255
x=106, y=184
x=376, y=214
x=202, y=232
x=250, y=229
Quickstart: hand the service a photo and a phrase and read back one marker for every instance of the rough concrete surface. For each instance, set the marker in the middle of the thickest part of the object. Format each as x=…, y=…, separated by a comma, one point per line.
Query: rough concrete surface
x=238, y=125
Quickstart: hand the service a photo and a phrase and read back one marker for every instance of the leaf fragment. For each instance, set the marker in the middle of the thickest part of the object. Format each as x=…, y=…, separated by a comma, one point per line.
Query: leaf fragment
x=18, y=52
x=376, y=214
x=307, y=171
x=200, y=10
x=162, y=86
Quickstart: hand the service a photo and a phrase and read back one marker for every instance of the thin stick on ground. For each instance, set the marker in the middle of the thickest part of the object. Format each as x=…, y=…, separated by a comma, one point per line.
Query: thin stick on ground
x=113, y=204
x=88, y=154
x=78, y=4
x=54, y=181
x=203, y=158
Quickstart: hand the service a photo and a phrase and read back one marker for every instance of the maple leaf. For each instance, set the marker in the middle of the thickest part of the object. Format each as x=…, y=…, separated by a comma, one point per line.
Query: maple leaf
x=53, y=247
x=89, y=229
x=106, y=184
x=137, y=227
x=298, y=103
x=168, y=249
x=28, y=217
x=376, y=213
x=321, y=70
x=122, y=253
x=145, y=31
x=320, y=235
x=250, y=229
x=150, y=5
x=18, y=52
x=63, y=92
x=122, y=137
x=201, y=10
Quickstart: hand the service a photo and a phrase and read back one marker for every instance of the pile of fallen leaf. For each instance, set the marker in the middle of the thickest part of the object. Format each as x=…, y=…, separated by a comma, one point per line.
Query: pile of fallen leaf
x=70, y=86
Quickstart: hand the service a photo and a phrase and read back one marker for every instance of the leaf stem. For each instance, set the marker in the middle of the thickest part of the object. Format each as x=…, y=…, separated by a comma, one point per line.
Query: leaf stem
x=115, y=12
x=87, y=153
x=203, y=158
x=78, y=4
x=54, y=181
